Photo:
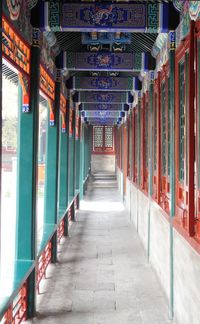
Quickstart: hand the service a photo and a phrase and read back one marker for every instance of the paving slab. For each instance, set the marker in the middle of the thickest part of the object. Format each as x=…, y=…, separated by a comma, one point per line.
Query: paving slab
x=102, y=275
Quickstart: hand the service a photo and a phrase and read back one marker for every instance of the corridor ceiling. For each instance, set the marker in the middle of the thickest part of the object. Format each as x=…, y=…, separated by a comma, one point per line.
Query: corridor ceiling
x=105, y=48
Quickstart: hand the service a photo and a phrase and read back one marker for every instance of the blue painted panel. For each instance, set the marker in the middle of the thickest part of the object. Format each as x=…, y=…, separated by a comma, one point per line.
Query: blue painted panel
x=90, y=17
x=102, y=106
x=104, y=97
x=103, y=83
x=104, y=61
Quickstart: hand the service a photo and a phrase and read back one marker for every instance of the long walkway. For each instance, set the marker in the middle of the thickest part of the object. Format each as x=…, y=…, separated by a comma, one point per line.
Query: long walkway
x=103, y=275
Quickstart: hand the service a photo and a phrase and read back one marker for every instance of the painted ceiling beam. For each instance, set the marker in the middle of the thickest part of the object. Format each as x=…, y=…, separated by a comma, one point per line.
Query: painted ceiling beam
x=102, y=107
x=140, y=16
x=105, y=107
x=108, y=61
x=102, y=83
x=101, y=114
x=102, y=121
x=100, y=97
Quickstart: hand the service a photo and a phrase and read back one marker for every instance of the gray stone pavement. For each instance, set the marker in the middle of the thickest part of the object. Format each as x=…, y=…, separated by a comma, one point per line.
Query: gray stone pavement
x=102, y=276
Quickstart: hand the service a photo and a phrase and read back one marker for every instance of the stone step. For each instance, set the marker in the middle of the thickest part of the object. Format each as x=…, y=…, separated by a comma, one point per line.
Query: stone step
x=103, y=177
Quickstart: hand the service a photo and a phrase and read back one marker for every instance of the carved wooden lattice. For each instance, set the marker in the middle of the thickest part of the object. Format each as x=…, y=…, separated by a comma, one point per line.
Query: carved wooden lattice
x=103, y=140
x=108, y=136
x=98, y=137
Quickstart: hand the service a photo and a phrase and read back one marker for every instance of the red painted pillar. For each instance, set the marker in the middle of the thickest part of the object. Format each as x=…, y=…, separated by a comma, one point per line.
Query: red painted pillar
x=133, y=145
x=143, y=141
x=191, y=136
x=159, y=141
x=125, y=156
x=197, y=194
x=128, y=146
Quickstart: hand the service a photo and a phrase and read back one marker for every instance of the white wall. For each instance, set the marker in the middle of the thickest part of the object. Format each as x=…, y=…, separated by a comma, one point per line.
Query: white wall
x=186, y=282
x=103, y=163
x=128, y=196
x=120, y=181
x=143, y=209
x=134, y=205
x=154, y=231
x=160, y=246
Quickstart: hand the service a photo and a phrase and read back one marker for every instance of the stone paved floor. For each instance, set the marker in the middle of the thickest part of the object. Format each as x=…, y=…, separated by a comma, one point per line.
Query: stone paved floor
x=102, y=276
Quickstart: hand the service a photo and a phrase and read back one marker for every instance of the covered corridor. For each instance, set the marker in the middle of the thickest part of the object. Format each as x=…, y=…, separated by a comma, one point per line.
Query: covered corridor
x=103, y=275
x=100, y=161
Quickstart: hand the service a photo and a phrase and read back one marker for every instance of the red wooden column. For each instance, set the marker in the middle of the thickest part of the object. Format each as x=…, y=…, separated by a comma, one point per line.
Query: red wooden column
x=120, y=147
x=191, y=137
x=185, y=208
x=124, y=129
x=143, y=143
x=116, y=144
x=136, y=146
x=181, y=212
x=133, y=145
x=164, y=198
x=197, y=53
x=156, y=140
x=167, y=112
x=146, y=142
x=159, y=141
x=128, y=146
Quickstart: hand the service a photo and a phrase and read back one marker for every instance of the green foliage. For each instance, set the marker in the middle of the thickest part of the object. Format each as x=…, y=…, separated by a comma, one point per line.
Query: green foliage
x=9, y=133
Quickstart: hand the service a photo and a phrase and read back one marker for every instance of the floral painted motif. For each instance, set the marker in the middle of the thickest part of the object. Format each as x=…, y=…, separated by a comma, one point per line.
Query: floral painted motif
x=103, y=16
x=194, y=10
x=14, y=7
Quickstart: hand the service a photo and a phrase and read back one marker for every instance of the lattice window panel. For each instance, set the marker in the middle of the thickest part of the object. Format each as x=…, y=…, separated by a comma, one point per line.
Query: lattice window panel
x=181, y=120
x=164, y=128
x=103, y=141
x=98, y=137
x=108, y=137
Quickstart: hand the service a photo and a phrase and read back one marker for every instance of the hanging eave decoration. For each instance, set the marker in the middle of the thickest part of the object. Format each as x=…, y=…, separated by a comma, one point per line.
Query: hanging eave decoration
x=47, y=85
x=71, y=116
x=189, y=10
x=17, y=52
x=24, y=82
x=15, y=49
x=77, y=133
x=63, y=110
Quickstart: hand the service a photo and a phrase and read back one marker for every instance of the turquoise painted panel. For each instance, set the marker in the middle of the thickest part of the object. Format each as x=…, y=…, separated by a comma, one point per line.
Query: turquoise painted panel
x=50, y=206
x=63, y=174
x=71, y=167
x=48, y=231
